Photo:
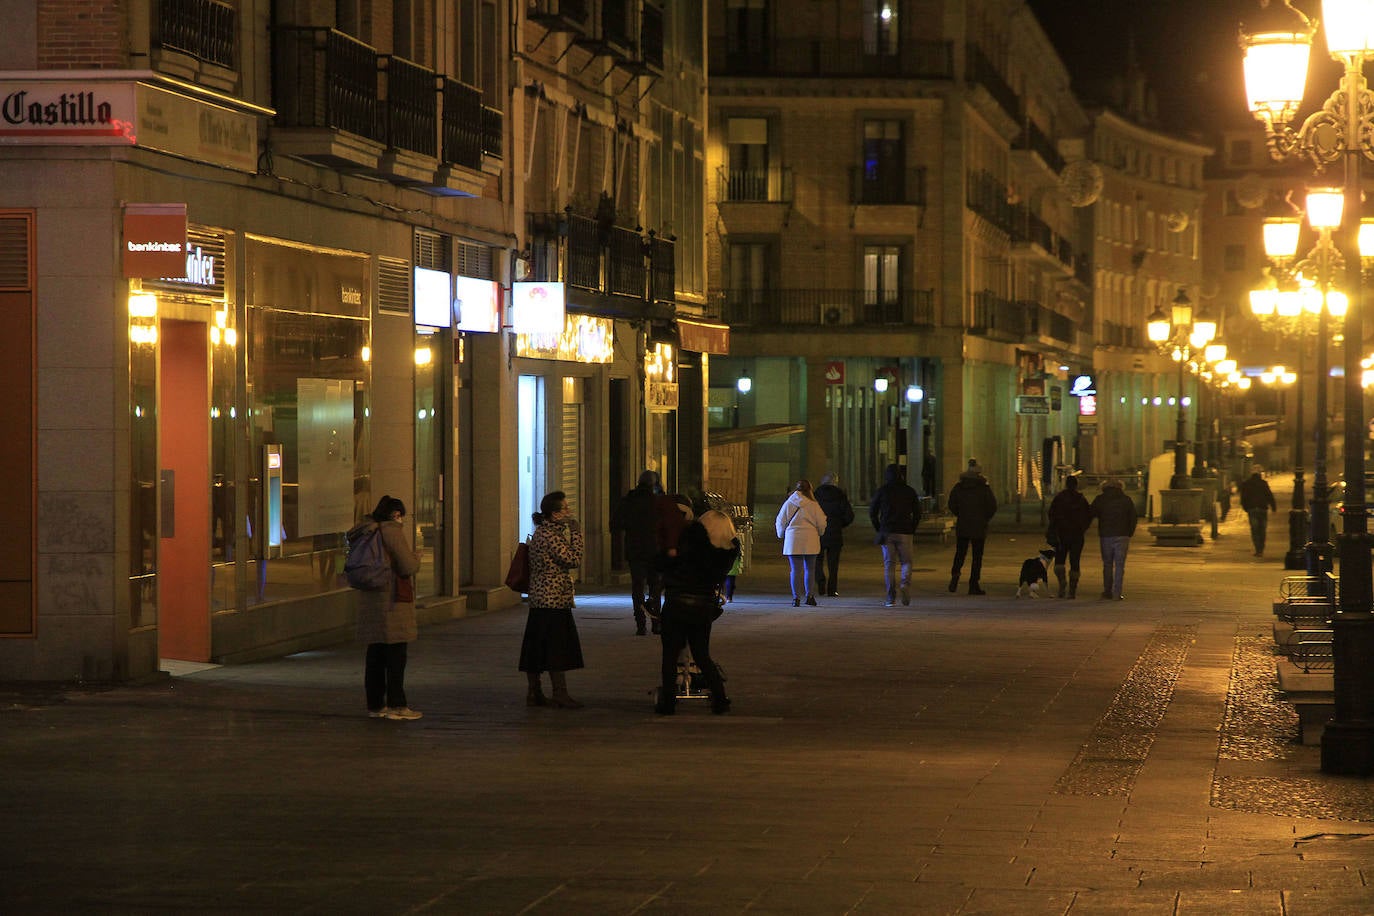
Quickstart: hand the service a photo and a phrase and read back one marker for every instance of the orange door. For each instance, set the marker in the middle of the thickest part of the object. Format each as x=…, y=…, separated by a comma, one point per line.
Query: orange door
x=184, y=460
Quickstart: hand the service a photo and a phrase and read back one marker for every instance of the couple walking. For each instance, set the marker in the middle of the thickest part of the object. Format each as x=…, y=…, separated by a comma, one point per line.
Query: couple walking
x=896, y=511
x=811, y=525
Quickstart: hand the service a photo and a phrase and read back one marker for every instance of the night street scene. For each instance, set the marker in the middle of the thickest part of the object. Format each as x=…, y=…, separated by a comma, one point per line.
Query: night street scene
x=649, y=456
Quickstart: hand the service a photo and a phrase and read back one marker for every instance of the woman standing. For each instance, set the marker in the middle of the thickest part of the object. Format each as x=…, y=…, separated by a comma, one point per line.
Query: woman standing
x=551, y=642
x=386, y=617
x=799, y=523
x=692, y=583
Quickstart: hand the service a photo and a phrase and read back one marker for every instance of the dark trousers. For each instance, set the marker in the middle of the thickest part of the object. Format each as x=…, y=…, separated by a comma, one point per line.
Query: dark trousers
x=976, y=570
x=1073, y=550
x=828, y=569
x=384, y=678
x=1259, y=521
x=644, y=578
x=676, y=634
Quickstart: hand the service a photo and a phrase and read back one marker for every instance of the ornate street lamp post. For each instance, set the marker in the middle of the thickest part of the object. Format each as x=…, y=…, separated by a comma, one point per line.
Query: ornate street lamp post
x=1341, y=130
x=1180, y=334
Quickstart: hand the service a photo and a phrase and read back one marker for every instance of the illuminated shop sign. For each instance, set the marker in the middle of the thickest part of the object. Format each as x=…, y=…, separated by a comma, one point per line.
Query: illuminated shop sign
x=1087, y=405
x=431, y=298
x=583, y=339
x=154, y=240
x=538, y=308
x=67, y=113
x=1083, y=385
x=476, y=305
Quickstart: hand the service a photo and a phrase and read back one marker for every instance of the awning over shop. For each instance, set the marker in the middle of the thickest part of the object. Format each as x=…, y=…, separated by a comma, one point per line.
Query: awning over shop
x=754, y=433
x=703, y=337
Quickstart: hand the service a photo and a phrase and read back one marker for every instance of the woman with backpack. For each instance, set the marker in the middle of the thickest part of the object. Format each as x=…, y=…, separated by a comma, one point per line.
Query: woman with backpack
x=386, y=615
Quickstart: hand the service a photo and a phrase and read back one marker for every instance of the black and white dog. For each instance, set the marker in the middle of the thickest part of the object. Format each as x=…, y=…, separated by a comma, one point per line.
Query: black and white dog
x=1033, y=573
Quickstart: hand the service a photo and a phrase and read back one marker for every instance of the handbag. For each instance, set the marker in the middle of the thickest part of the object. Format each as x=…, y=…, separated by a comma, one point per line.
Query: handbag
x=518, y=576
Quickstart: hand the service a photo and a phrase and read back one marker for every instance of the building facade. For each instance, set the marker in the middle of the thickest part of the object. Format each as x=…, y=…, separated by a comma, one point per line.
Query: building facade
x=266, y=262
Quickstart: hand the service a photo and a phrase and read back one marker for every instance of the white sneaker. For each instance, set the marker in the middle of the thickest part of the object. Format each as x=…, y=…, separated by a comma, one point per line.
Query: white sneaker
x=377, y=713
x=403, y=713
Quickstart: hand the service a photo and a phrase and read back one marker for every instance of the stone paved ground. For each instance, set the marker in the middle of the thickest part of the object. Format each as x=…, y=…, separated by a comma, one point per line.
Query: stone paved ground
x=963, y=755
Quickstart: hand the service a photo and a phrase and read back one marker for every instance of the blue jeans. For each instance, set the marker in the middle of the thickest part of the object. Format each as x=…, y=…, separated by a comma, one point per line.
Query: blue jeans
x=1114, y=564
x=800, y=574
x=896, y=552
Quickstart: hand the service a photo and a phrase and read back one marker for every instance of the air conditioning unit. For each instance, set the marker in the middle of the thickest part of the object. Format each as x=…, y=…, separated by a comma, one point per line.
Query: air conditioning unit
x=837, y=314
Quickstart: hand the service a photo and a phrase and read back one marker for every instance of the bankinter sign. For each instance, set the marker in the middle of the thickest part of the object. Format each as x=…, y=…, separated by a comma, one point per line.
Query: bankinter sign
x=154, y=240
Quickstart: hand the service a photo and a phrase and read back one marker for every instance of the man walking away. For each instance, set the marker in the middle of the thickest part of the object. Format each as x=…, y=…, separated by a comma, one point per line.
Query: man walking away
x=1258, y=501
x=636, y=516
x=973, y=505
x=1070, y=516
x=895, y=511
x=1116, y=518
x=839, y=514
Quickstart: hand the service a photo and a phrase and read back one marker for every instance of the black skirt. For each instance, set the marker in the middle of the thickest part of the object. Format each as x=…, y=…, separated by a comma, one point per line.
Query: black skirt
x=550, y=642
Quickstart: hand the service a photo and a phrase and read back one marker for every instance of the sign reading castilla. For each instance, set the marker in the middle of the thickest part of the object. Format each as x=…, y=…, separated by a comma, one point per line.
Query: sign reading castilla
x=67, y=108
x=40, y=111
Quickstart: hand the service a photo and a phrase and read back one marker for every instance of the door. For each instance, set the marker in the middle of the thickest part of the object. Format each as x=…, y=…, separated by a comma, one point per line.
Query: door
x=184, y=493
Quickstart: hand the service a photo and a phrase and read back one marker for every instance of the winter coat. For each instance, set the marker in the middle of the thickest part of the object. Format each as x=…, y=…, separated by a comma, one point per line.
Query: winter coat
x=1255, y=494
x=839, y=513
x=1070, y=516
x=895, y=507
x=973, y=504
x=1115, y=513
x=637, y=516
x=692, y=579
x=555, y=550
x=381, y=618
x=799, y=523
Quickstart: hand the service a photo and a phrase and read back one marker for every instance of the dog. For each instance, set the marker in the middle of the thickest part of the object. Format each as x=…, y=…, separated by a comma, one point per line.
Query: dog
x=1034, y=572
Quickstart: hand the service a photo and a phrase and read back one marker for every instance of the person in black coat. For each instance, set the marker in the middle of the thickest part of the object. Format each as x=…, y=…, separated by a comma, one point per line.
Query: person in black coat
x=692, y=581
x=973, y=505
x=1070, y=516
x=1258, y=501
x=637, y=516
x=839, y=513
x=895, y=511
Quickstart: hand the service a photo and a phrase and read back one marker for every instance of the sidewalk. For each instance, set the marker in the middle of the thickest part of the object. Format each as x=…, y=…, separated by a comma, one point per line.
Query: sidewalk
x=962, y=755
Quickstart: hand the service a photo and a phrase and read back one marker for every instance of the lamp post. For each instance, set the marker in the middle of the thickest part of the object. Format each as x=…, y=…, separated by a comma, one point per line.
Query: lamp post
x=1341, y=130
x=1180, y=334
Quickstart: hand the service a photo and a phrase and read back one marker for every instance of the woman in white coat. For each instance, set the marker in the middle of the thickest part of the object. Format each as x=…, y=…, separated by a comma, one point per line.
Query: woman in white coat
x=800, y=522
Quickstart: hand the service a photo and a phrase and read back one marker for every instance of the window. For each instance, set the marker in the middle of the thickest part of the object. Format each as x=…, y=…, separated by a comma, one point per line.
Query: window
x=884, y=164
x=746, y=26
x=749, y=269
x=882, y=275
x=880, y=27
x=1235, y=257
x=747, y=151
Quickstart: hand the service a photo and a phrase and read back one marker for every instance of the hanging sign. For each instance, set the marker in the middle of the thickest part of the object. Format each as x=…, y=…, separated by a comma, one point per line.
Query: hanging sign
x=154, y=240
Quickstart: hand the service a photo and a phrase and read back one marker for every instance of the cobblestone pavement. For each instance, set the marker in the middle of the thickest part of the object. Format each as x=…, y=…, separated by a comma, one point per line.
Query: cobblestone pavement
x=962, y=755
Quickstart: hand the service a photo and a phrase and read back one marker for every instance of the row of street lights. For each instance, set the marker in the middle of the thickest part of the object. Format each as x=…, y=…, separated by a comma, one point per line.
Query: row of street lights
x=1342, y=130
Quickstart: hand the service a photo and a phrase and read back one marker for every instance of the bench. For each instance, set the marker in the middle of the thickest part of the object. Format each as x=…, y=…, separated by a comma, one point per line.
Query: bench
x=935, y=527
x=1307, y=599
x=1313, y=696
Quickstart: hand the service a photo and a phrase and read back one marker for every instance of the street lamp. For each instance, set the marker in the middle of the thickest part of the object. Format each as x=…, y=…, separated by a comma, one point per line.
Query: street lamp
x=1342, y=129
x=1180, y=334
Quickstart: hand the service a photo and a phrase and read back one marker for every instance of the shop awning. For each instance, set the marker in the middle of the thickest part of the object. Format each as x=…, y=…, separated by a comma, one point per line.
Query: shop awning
x=704, y=337
x=753, y=433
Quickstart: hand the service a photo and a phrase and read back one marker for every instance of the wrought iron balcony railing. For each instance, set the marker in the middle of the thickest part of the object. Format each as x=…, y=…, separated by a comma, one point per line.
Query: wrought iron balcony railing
x=1042, y=321
x=772, y=185
x=827, y=308
x=411, y=108
x=662, y=269
x=493, y=132
x=606, y=259
x=887, y=187
x=996, y=316
x=463, y=124
x=980, y=71
x=324, y=78
x=1032, y=138
x=833, y=58
x=204, y=29
x=988, y=198
x=1119, y=335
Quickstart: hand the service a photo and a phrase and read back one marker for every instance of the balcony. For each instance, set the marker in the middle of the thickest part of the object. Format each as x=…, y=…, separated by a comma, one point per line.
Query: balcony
x=463, y=124
x=827, y=308
x=754, y=185
x=326, y=90
x=198, y=40
x=1032, y=143
x=1044, y=322
x=493, y=132
x=410, y=111
x=988, y=198
x=1033, y=240
x=982, y=75
x=994, y=316
x=1119, y=335
x=899, y=187
x=630, y=270
x=930, y=60
x=560, y=15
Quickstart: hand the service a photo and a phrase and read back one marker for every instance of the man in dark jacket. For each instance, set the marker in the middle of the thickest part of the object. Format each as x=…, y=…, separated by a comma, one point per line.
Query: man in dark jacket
x=1116, y=518
x=839, y=513
x=1070, y=516
x=895, y=512
x=973, y=504
x=638, y=517
x=1258, y=501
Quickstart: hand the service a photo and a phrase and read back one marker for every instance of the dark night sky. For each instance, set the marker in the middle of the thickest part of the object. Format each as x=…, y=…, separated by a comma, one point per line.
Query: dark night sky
x=1187, y=49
